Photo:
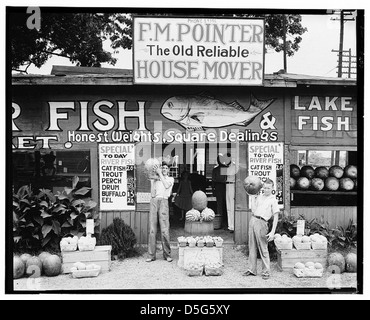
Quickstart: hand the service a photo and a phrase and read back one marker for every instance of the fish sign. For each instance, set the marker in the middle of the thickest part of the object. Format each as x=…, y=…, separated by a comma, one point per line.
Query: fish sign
x=196, y=112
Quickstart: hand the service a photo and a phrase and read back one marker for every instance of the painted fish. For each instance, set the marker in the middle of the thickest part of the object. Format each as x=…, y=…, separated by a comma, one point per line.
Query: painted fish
x=200, y=111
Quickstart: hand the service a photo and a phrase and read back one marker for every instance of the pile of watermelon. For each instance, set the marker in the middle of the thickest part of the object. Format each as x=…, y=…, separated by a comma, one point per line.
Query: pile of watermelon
x=334, y=178
x=27, y=265
x=200, y=211
x=339, y=263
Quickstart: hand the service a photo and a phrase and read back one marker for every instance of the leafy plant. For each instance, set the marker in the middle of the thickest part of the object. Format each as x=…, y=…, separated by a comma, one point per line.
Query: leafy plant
x=286, y=225
x=41, y=220
x=345, y=238
x=121, y=237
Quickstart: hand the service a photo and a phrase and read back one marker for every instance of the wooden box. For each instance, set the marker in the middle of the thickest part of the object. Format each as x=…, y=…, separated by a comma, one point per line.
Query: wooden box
x=101, y=256
x=186, y=253
x=288, y=258
x=198, y=228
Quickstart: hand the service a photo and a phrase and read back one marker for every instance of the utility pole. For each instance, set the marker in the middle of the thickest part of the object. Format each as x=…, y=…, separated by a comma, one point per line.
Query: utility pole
x=352, y=64
x=284, y=43
x=342, y=19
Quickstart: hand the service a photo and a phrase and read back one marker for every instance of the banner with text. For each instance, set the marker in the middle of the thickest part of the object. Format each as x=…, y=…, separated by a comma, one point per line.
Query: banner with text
x=117, y=176
x=266, y=160
x=198, y=51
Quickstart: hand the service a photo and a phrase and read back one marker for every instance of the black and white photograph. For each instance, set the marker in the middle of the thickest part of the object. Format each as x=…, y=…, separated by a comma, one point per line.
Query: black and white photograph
x=184, y=150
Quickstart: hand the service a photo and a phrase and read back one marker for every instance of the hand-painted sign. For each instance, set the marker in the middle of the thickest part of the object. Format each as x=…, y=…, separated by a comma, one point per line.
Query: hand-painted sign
x=266, y=160
x=116, y=176
x=330, y=118
x=71, y=124
x=207, y=51
x=199, y=111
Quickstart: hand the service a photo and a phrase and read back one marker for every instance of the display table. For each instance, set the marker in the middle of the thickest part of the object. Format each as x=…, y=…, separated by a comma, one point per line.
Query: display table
x=288, y=258
x=101, y=256
x=186, y=253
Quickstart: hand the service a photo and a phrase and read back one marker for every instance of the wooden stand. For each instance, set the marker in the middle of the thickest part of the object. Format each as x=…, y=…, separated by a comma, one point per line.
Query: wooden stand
x=101, y=256
x=197, y=228
x=187, y=252
x=288, y=258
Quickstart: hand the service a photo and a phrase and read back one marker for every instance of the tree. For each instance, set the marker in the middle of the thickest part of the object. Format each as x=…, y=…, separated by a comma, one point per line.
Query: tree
x=80, y=36
x=76, y=36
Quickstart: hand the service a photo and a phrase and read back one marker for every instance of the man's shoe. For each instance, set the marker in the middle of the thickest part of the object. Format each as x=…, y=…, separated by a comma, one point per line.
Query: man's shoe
x=248, y=273
x=169, y=259
x=149, y=260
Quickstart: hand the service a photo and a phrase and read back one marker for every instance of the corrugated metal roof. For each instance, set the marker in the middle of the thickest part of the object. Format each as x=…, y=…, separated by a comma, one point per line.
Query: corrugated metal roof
x=62, y=75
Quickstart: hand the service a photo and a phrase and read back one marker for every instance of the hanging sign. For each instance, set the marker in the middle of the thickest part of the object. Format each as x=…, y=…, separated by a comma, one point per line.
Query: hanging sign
x=206, y=51
x=266, y=160
x=300, y=227
x=117, y=176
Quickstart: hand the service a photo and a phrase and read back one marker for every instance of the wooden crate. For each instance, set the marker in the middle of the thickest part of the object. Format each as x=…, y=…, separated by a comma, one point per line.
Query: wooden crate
x=101, y=256
x=288, y=258
x=186, y=252
x=197, y=228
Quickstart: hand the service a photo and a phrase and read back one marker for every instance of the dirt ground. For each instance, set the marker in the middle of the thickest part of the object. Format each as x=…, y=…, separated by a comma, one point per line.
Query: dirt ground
x=134, y=275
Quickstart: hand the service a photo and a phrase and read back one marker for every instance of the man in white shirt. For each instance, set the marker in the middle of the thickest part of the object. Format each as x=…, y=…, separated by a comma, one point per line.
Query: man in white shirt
x=161, y=190
x=264, y=206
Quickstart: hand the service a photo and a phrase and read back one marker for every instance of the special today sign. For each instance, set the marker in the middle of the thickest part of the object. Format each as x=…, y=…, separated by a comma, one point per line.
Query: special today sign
x=198, y=51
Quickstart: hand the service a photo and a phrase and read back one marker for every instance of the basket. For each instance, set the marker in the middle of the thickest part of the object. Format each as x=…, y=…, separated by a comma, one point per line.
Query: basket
x=302, y=245
x=218, y=244
x=68, y=247
x=208, y=271
x=182, y=243
x=86, y=247
x=210, y=243
x=194, y=272
x=319, y=245
x=192, y=244
x=200, y=243
x=86, y=273
x=308, y=273
x=284, y=246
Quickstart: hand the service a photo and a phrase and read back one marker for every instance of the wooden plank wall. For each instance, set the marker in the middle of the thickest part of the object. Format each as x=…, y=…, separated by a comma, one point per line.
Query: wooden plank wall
x=137, y=220
x=335, y=216
x=241, y=226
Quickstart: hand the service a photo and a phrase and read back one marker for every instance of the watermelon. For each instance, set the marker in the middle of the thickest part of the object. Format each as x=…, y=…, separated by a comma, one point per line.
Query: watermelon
x=308, y=172
x=199, y=200
x=295, y=171
x=346, y=184
x=299, y=265
x=25, y=257
x=350, y=171
x=321, y=172
x=293, y=183
x=43, y=255
x=351, y=262
x=336, y=262
x=192, y=215
x=252, y=185
x=336, y=171
x=318, y=265
x=317, y=184
x=34, y=267
x=332, y=184
x=149, y=165
x=52, y=265
x=207, y=214
x=18, y=267
x=303, y=183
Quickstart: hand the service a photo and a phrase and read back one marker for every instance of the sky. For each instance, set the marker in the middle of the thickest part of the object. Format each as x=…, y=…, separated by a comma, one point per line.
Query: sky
x=315, y=56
